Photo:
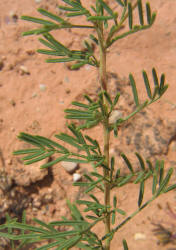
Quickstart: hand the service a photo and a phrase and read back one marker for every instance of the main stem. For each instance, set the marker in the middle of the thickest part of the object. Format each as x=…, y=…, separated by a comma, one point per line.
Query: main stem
x=103, y=83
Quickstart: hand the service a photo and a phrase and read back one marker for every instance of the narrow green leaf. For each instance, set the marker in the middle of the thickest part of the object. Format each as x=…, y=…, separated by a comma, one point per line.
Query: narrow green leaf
x=52, y=244
x=43, y=224
x=76, y=160
x=94, y=198
x=130, y=16
x=117, y=174
x=133, y=85
x=51, y=15
x=78, y=111
x=69, y=223
x=113, y=217
x=99, y=18
x=125, y=180
x=120, y=211
x=164, y=183
x=153, y=18
x=170, y=188
x=97, y=175
x=149, y=165
x=148, y=10
x=116, y=99
x=70, y=140
x=50, y=52
x=114, y=201
x=93, y=38
x=115, y=131
x=51, y=163
x=112, y=167
x=60, y=60
x=162, y=81
x=30, y=139
x=67, y=8
x=108, y=98
x=93, y=185
x=128, y=163
x=36, y=20
x=74, y=3
x=155, y=77
x=147, y=85
x=59, y=46
x=125, y=246
x=141, y=161
x=155, y=182
x=44, y=156
x=91, y=217
x=141, y=194
x=49, y=45
x=27, y=151
x=140, y=177
x=32, y=156
x=140, y=10
x=88, y=99
x=76, y=214
x=70, y=243
x=81, y=184
x=163, y=90
x=53, y=143
x=77, y=13
x=107, y=8
x=26, y=227
x=155, y=93
x=120, y=2
x=161, y=174
x=82, y=105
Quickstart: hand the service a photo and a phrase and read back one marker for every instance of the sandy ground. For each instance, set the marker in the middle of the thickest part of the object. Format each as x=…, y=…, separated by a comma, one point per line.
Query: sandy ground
x=33, y=96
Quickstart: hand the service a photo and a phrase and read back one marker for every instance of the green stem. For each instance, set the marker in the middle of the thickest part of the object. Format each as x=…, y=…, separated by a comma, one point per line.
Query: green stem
x=103, y=83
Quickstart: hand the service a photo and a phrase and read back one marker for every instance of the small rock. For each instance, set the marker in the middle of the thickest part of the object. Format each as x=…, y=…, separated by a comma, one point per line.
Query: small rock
x=30, y=52
x=38, y=1
x=139, y=236
x=42, y=87
x=8, y=162
x=12, y=102
x=115, y=115
x=34, y=95
x=61, y=102
x=70, y=167
x=24, y=70
x=13, y=16
x=76, y=177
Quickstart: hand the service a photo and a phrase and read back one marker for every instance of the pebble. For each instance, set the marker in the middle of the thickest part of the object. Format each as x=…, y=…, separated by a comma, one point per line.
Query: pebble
x=24, y=70
x=139, y=236
x=115, y=115
x=34, y=95
x=61, y=101
x=13, y=16
x=38, y=1
x=76, y=177
x=42, y=87
x=70, y=167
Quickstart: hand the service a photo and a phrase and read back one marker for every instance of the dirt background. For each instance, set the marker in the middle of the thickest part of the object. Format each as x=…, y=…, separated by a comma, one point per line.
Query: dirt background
x=33, y=96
